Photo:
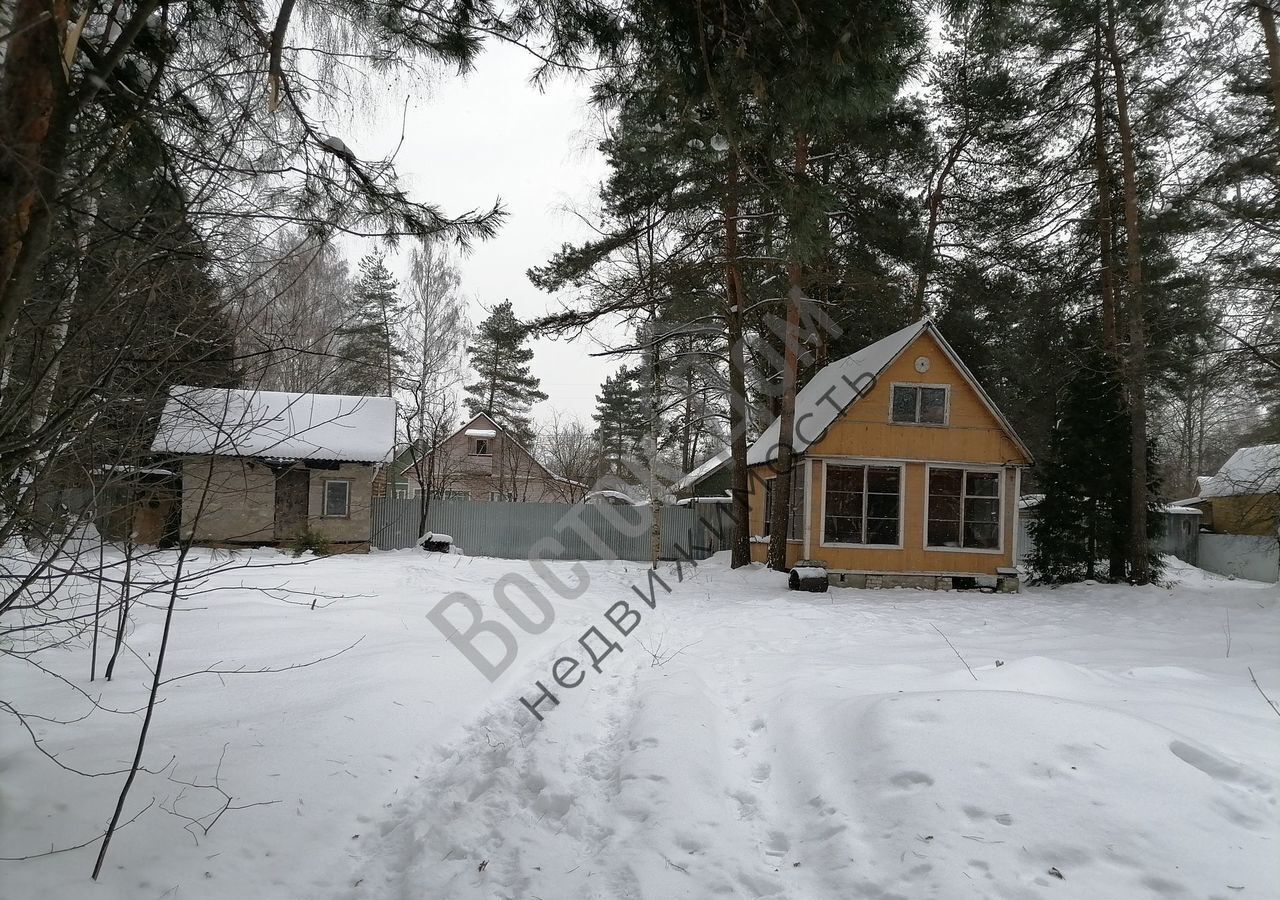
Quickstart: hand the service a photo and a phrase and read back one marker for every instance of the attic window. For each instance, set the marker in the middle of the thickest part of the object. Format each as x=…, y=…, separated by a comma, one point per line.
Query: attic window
x=481, y=447
x=916, y=404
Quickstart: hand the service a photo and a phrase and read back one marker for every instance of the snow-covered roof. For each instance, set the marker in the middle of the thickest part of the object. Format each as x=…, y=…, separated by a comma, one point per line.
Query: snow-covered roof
x=1250, y=470
x=277, y=425
x=834, y=387
x=726, y=497
x=699, y=472
x=1029, y=503
x=481, y=432
x=615, y=497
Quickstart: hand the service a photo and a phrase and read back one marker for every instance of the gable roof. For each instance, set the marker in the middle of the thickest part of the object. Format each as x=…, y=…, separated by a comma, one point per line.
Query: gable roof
x=276, y=425
x=708, y=467
x=1250, y=470
x=497, y=427
x=837, y=386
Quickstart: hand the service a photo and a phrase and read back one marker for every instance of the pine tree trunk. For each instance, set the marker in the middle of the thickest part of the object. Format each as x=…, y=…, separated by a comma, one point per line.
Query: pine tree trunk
x=787, y=412
x=934, y=204
x=1267, y=19
x=33, y=102
x=740, y=541
x=1135, y=358
x=1116, y=550
x=1102, y=169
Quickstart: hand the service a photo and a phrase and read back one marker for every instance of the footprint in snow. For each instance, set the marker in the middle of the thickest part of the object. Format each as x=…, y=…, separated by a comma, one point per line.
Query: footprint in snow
x=910, y=779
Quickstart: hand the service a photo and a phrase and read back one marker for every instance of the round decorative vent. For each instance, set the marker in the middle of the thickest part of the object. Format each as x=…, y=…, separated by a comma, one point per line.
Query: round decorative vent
x=922, y=364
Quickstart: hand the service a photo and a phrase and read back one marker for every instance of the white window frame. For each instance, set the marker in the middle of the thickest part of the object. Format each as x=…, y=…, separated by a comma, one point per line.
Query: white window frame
x=475, y=447
x=848, y=462
x=946, y=404
x=457, y=495
x=1000, y=500
x=324, y=499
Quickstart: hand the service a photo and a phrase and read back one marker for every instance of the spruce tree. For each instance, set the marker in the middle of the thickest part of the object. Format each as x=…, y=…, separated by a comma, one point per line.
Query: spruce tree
x=503, y=388
x=621, y=414
x=1084, y=514
x=370, y=361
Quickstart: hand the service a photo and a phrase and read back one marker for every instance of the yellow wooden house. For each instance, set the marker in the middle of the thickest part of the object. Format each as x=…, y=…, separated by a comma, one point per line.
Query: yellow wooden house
x=906, y=473
x=1244, y=496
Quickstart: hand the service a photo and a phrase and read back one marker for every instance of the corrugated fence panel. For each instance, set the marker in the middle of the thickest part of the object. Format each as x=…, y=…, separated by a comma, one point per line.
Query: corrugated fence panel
x=512, y=530
x=1241, y=555
x=1181, y=537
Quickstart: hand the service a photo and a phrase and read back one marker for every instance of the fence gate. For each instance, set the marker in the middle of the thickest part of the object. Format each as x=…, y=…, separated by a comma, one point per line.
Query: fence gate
x=580, y=531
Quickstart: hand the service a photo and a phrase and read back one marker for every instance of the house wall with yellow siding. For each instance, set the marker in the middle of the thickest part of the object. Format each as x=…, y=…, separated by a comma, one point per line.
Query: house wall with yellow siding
x=864, y=433
x=1244, y=514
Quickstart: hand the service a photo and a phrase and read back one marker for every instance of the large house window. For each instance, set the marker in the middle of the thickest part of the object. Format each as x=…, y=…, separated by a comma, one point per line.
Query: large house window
x=915, y=404
x=862, y=505
x=964, y=509
x=456, y=495
x=481, y=447
x=795, y=518
x=337, y=499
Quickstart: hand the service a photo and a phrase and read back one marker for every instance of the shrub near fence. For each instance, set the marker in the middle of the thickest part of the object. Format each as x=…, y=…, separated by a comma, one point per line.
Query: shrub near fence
x=510, y=530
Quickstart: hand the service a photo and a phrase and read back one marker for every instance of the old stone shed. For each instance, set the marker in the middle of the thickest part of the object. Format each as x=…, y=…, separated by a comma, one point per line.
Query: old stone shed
x=267, y=467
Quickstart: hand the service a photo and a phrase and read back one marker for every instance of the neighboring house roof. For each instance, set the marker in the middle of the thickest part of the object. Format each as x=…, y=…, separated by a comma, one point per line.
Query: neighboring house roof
x=707, y=468
x=836, y=387
x=614, y=497
x=1250, y=470
x=468, y=429
x=1030, y=503
x=276, y=425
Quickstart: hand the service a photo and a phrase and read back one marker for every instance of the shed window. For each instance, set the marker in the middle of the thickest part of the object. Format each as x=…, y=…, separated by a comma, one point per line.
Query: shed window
x=337, y=498
x=964, y=509
x=795, y=517
x=862, y=505
x=919, y=405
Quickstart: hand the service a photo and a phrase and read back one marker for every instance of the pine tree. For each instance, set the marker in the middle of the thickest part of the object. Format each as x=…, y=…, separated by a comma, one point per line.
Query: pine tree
x=371, y=363
x=504, y=389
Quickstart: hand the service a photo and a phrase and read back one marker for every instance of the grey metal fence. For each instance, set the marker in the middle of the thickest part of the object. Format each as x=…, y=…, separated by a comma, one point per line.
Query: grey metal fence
x=1181, y=536
x=1241, y=555
x=510, y=530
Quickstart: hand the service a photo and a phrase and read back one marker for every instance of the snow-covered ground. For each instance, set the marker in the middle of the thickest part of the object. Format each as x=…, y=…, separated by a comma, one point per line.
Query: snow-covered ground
x=746, y=742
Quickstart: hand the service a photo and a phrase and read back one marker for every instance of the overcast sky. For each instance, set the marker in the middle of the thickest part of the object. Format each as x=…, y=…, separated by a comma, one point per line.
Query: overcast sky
x=469, y=140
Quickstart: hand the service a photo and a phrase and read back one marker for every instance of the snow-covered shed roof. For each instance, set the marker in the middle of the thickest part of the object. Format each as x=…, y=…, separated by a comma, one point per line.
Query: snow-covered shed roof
x=836, y=386
x=1029, y=504
x=707, y=467
x=1250, y=470
x=277, y=425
